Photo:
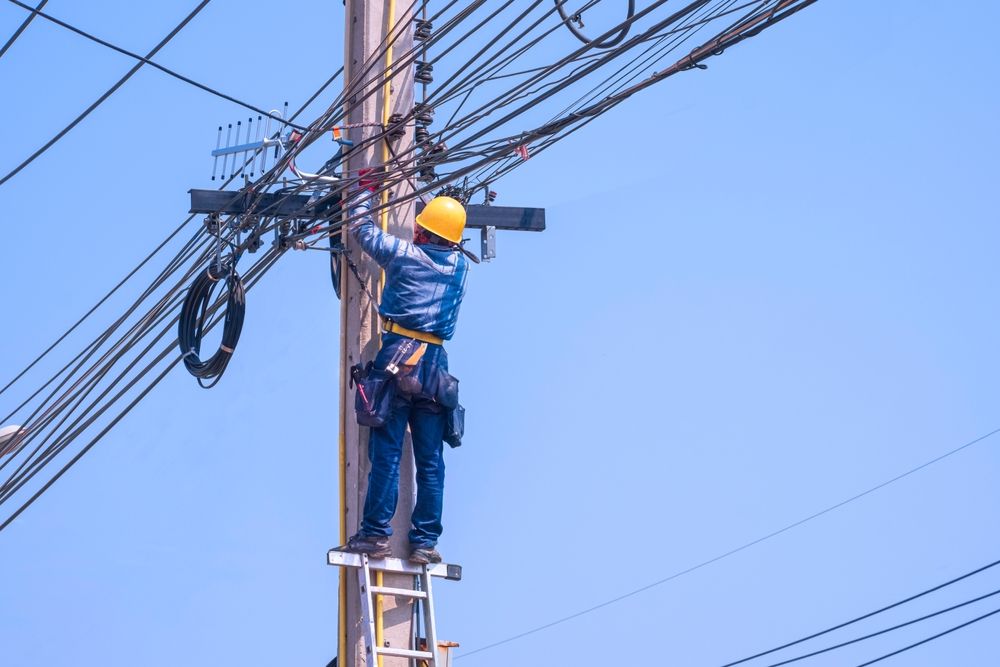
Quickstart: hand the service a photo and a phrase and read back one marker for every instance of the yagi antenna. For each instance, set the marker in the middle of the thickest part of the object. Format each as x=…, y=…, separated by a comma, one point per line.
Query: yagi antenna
x=246, y=153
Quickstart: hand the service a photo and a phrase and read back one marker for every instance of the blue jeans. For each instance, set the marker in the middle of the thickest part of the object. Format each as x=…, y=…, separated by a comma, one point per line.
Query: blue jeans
x=385, y=448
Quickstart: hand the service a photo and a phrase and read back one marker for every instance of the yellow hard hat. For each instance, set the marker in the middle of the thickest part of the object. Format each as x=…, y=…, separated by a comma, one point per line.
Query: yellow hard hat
x=445, y=217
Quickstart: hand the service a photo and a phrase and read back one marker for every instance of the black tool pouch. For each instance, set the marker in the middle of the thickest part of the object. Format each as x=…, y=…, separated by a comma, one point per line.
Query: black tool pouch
x=454, y=427
x=446, y=394
x=374, y=394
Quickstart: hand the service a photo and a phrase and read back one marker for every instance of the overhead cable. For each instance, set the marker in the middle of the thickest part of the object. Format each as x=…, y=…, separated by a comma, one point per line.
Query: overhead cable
x=885, y=631
x=569, y=19
x=931, y=638
x=742, y=547
x=108, y=93
x=17, y=33
x=147, y=61
x=863, y=617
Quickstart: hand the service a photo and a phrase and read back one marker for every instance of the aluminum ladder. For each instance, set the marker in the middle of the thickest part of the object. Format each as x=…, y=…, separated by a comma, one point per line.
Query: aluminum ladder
x=368, y=589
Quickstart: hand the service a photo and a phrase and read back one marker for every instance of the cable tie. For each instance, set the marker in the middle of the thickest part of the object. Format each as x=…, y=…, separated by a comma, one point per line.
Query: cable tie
x=227, y=350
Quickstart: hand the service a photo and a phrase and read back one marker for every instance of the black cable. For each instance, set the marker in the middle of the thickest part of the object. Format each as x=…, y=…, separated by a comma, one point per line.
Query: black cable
x=147, y=61
x=266, y=263
x=17, y=33
x=191, y=325
x=865, y=616
x=495, y=152
x=930, y=639
x=884, y=631
x=108, y=93
x=568, y=20
x=736, y=550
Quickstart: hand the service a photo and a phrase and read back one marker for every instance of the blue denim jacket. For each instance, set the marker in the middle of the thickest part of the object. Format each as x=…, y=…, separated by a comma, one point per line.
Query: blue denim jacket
x=424, y=284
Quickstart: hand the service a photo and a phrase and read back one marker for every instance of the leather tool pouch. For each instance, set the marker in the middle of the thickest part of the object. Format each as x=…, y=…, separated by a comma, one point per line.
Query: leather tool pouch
x=375, y=392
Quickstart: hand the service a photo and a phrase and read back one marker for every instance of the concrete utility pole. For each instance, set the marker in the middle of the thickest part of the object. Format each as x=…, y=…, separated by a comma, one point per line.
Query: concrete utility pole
x=370, y=26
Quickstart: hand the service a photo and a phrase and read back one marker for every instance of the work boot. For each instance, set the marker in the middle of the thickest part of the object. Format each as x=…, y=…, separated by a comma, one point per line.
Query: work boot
x=373, y=545
x=424, y=555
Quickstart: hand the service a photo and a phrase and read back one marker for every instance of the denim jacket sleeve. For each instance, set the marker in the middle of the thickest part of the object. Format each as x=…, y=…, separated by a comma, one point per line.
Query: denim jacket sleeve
x=380, y=246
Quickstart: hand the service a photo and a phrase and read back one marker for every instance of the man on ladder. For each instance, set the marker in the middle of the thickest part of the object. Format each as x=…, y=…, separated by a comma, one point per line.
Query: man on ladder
x=408, y=382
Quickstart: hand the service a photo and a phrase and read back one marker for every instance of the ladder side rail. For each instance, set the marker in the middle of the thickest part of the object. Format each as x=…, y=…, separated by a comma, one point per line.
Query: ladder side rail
x=432, y=640
x=367, y=617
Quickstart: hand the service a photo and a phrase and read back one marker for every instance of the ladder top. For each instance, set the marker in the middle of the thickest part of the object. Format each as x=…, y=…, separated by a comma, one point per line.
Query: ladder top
x=349, y=559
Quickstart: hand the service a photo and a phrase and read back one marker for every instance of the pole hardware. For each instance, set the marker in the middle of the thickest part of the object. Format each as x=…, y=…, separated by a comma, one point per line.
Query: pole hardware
x=424, y=73
x=488, y=243
x=427, y=175
x=396, y=129
x=423, y=113
x=422, y=30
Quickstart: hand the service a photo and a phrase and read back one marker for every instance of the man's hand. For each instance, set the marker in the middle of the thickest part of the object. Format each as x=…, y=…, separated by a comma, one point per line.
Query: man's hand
x=370, y=178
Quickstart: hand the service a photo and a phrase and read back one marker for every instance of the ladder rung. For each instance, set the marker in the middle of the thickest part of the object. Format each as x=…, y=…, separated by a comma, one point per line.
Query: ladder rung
x=402, y=592
x=404, y=653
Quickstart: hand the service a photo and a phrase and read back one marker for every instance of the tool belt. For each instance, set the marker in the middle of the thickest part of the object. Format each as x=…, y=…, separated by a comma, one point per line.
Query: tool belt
x=377, y=390
x=392, y=327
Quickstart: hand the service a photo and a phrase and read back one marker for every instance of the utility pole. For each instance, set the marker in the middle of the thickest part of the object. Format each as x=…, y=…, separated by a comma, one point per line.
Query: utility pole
x=371, y=25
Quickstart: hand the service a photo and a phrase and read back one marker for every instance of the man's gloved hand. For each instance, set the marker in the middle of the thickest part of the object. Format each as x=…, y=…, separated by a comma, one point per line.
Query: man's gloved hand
x=370, y=178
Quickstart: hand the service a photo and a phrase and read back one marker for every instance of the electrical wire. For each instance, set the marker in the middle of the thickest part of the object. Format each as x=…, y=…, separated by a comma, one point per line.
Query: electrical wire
x=884, y=631
x=191, y=324
x=108, y=93
x=35, y=11
x=568, y=20
x=866, y=616
x=95, y=381
x=931, y=638
x=736, y=550
x=147, y=61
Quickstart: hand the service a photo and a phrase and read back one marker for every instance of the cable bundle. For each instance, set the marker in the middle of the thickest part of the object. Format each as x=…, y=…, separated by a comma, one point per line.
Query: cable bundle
x=195, y=311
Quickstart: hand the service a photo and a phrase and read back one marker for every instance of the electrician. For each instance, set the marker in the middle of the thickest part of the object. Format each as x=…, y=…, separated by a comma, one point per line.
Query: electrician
x=409, y=383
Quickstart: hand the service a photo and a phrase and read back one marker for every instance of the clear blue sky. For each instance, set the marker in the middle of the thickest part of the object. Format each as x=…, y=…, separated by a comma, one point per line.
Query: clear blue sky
x=765, y=287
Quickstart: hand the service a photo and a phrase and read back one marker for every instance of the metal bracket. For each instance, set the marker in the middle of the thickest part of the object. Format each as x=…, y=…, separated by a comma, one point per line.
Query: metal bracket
x=488, y=246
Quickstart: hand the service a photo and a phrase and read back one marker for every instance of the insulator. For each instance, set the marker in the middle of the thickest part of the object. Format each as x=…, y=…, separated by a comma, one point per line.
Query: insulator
x=491, y=196
x=423, y=114
x=427, y=175
x=422, y=29
x=421, y=135
x=425, y=72
x=396, y=128
x=438, y=150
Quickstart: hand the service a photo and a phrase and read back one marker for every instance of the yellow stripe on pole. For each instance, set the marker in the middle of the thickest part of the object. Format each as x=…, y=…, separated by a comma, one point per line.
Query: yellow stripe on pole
x=342, y=425
x=384, y=220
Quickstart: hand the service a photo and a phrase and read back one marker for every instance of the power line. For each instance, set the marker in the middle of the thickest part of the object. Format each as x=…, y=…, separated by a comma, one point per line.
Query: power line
x=884, y=631
x=17, y=33
x=736, y=550
x=68, y=411
x=930, y=639
x=863, y=617
x=100, y=100
x=147, y=61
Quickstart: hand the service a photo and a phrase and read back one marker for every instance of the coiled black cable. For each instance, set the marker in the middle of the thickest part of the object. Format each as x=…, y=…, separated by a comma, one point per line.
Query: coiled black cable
x=194, y=314
x=612, y=41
